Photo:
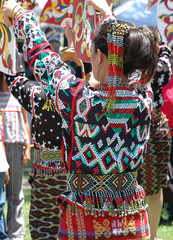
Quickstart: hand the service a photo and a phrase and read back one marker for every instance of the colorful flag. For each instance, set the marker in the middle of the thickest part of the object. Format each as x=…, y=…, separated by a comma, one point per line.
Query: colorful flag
x=57, y=12
x=7, y=46
x=84, y=21
x=28, y=4
x=81, y=17
x=165, y=21
x=151, y=3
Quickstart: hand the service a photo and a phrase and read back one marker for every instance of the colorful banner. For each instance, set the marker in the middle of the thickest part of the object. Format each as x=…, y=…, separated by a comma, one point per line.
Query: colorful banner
x=84, y=21
x=168, y=4
x=28, y=4
x=7, y=46
x=165, y=20
x=57, y=12
x=81, y=17
x=151, y=3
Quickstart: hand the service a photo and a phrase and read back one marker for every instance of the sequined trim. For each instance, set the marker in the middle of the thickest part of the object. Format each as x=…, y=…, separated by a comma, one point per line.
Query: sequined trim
x=96, y=194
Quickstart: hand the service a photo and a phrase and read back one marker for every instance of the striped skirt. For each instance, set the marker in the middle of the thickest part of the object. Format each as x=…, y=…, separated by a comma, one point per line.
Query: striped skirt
x=152, y=175
x=83, y=227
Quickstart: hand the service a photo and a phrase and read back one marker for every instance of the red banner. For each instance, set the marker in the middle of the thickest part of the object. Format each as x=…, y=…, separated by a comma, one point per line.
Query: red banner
x=57, y=12
x=165, y=21
x=7, y=46
x=82, y=19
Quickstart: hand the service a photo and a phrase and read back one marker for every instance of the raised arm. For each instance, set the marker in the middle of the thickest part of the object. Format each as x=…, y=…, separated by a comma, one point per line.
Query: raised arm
x=45, y=64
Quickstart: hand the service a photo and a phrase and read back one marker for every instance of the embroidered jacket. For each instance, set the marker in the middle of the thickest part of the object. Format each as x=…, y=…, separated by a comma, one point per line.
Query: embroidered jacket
x=45, y=126
x=162, y=75
x=101, y=150
x=161, y=78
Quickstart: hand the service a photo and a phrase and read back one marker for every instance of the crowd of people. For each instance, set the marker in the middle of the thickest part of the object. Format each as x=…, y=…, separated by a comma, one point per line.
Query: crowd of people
x=101, y=131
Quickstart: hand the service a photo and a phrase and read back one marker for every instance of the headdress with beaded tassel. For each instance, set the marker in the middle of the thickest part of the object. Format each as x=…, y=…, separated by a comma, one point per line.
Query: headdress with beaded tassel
x=115, y=40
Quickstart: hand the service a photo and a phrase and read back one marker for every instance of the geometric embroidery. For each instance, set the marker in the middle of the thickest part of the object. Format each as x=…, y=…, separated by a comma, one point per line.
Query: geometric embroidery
x=108, y=160
x=88, y=153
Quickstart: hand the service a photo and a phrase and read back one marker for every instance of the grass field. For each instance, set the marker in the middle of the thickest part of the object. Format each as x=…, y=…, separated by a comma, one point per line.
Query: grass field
x=26, y=213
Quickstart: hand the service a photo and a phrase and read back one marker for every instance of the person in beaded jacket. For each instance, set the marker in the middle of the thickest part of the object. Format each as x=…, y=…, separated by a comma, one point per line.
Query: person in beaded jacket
x=48, y=176
x=105, y=130
x=47, y=168
x=152, y=176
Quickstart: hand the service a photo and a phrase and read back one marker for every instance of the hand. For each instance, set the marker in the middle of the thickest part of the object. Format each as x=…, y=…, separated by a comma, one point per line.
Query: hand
x=69, y=35
x=100, y=6
x=6, y=178
x=11, y=10
x=7, y=12
x=8, y=8
x=26, y=154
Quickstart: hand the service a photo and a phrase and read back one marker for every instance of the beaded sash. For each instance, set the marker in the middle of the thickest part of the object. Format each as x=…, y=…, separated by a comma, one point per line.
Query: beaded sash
x=47, y=162
x=116, y=194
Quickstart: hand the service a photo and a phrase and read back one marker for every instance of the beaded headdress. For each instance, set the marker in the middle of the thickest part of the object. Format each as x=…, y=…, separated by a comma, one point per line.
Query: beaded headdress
x=115, y=42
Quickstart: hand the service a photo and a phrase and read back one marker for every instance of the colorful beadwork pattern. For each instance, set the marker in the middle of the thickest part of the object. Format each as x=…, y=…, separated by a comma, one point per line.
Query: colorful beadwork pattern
x=117, y=194
x=115, y=39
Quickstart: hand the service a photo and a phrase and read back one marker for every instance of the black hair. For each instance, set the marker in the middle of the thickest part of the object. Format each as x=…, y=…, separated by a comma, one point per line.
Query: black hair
x=140, y=50
x=155, y=33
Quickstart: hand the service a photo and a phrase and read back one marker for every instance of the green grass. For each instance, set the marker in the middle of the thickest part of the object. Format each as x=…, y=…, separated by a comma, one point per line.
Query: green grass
x=27, y=194
x=165, y=230
x=26, y=213
x=26, y=208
